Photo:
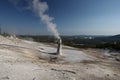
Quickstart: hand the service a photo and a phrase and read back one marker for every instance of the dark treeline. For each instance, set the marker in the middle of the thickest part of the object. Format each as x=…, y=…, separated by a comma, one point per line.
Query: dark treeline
x=37, y=38
x=104, y=42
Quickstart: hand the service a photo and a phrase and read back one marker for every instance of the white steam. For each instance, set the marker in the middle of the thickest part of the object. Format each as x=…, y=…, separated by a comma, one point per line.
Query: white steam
x=40, y=8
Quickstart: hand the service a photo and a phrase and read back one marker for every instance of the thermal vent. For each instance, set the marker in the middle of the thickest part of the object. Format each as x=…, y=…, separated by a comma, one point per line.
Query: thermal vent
x=59, y=48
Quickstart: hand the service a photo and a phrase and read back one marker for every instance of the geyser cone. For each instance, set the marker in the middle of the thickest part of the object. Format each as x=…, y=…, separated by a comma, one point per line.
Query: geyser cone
x=59, y=48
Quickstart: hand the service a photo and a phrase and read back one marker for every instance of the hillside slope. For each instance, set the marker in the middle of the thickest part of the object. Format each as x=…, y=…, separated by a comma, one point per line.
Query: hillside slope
x=28, y=60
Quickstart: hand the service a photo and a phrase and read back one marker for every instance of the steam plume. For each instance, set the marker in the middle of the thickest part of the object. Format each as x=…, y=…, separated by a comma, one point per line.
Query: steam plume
x=40, y=8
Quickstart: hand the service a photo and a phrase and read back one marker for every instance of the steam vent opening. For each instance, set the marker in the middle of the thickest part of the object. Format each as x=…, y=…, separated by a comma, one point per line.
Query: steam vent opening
x=59, y=47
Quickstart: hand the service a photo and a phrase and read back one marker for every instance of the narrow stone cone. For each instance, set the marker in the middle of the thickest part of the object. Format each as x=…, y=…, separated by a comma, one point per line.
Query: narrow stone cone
x=59, y=48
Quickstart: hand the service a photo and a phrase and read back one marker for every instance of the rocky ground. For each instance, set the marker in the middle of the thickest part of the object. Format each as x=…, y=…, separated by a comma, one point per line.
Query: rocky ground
x=28, y=60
